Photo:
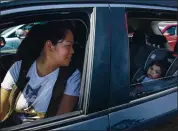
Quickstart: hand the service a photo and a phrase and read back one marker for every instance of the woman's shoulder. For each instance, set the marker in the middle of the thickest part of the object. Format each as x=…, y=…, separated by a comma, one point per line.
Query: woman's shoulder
x=73, y=84
x=75, y=74
x=16, y=65
x=75, y=77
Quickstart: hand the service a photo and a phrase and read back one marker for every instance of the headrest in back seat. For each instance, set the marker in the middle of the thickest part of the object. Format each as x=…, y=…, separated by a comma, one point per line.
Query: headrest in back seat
x=157, y=41
x=138, y=38
x=141, y=38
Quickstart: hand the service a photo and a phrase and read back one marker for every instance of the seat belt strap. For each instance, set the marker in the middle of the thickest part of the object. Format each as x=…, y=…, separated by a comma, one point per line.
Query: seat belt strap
x=58, y=90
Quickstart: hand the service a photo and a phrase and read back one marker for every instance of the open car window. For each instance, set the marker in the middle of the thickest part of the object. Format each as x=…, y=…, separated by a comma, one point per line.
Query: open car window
x=79, y=22
x=153, y=65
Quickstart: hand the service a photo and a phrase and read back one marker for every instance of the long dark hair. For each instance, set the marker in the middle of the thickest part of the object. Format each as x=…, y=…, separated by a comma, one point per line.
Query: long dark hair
x=32, y=45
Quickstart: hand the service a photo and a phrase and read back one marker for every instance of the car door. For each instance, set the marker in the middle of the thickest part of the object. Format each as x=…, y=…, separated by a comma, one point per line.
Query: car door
x=128, y=112
x=93, y=105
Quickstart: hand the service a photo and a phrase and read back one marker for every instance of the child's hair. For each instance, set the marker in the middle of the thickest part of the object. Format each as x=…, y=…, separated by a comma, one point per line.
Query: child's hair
x=162, y=64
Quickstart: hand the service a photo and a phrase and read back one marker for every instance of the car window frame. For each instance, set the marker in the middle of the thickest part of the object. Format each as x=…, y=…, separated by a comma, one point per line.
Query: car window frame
x=160, y=78
x=77, y=114
x=60, y=118
x=154, y=96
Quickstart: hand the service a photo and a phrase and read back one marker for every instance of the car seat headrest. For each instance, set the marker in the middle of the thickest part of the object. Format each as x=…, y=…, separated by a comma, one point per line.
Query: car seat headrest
x=159, y=54
x=156, y=41
x=138, y=38
x=141, y=38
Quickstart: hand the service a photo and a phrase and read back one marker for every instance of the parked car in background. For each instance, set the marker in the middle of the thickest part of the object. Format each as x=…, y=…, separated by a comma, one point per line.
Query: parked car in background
x=14, y=35
x=170, y=32
x=12, y=41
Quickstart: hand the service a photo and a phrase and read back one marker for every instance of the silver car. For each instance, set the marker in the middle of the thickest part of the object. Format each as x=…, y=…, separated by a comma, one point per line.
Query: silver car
x=12, y=41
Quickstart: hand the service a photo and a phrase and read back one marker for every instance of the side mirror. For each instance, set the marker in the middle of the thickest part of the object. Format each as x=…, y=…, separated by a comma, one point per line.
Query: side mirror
x=20, y=33
x=2, y=42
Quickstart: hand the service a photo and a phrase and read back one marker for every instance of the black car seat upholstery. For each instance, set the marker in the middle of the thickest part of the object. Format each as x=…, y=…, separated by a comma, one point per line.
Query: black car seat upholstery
x=138, y=40
x=176, y=47
x=157, y=54
x=5, y=63
x=176, y=73
x=152, y=42
x=173, y=68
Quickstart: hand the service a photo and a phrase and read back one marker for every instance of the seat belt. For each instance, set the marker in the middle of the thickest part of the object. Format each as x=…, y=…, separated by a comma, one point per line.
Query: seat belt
x=57, y=93
x=58, y=90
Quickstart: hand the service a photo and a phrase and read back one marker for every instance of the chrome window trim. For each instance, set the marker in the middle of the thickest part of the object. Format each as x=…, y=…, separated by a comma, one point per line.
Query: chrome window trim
x=61, y=6
x=90, y=48
x=144, y=7
x=44, y=7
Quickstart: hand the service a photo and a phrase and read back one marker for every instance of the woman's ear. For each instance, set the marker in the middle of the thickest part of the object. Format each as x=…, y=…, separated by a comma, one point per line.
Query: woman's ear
x=49, y=46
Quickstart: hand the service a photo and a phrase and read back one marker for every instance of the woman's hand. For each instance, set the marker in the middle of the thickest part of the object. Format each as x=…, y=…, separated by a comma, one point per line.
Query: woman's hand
x=4, y=103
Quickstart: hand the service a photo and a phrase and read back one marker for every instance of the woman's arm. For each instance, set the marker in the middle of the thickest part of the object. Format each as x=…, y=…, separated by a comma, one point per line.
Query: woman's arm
x=71, y=94
x=4, y=102
x=67, y=104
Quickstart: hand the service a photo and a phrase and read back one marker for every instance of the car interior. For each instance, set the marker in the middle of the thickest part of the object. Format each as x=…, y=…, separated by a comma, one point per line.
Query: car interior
x=147, y=43
x=79, y=21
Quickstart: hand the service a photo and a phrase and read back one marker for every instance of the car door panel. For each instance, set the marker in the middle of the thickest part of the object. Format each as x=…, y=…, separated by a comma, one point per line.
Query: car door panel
x=141, y=113
x=100, y=123
x=125, y=114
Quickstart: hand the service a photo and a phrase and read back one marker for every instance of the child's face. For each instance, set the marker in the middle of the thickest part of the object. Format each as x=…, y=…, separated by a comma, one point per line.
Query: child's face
x=154, y=72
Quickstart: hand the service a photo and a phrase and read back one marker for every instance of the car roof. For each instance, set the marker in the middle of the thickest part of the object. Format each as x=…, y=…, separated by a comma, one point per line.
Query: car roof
x=20, y=3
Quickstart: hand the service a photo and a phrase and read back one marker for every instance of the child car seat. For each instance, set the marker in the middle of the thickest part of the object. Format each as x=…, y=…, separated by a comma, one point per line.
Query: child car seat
x=157, y=54
x=173, y=68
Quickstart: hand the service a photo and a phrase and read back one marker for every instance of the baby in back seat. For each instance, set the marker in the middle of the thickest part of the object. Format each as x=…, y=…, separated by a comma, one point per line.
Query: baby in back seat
x=156, y=69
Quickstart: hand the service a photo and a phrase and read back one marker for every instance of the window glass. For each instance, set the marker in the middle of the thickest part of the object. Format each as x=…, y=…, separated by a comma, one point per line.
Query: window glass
x=171, y=30
x=146, y=88
x=14, y=36
x=7, y=30
x=152, y=66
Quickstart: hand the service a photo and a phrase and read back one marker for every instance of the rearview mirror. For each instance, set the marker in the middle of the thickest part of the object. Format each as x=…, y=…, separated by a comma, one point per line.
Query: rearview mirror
x=2, y=42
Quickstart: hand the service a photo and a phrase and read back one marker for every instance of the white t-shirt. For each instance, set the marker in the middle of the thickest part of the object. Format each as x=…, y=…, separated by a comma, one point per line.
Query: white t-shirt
x=38, y=90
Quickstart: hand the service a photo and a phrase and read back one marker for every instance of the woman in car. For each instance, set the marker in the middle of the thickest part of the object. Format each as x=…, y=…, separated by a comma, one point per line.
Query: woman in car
x=52, y=47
